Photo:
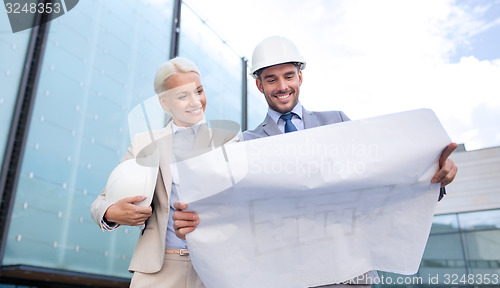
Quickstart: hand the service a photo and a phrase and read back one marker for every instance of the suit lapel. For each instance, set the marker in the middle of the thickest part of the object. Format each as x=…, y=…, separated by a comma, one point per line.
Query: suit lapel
x=165, y=143
x=309, y=120
x=308, y=117
x=270, y=127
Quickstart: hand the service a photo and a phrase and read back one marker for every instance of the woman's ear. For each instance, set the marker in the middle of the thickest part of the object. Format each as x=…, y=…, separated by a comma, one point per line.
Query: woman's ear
x=163, y=102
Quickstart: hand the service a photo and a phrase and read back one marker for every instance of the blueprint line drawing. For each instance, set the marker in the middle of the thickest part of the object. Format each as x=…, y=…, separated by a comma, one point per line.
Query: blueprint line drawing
x=286, y=220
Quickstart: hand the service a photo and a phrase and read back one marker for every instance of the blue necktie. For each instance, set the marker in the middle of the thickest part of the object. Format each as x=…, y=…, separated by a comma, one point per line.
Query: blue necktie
x=289, y=127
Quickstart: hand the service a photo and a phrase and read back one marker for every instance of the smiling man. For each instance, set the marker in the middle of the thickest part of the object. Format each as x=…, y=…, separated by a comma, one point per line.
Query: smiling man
x=277, y=67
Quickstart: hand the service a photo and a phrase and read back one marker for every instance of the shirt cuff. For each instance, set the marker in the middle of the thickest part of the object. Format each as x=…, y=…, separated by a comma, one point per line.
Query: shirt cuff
x=110, y=226
x=442, y=192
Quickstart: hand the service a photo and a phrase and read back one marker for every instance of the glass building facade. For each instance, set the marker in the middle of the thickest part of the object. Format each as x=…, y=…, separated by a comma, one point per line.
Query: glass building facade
x=463, y=249
x=222, y=71
x=98, y=63
x=464, y=244
x=11, y=69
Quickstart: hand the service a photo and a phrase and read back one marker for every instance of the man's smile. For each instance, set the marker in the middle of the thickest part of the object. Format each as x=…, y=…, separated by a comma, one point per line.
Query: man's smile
x=283, y=97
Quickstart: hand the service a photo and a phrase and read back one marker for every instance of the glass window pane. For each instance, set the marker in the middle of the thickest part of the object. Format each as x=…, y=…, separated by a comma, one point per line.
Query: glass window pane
x=443, y=255
x=13, y=47
x=483, y=252
x=444, y=223
x=480, y=220
x=219, y=65
x=100, y=60
x=257, y=105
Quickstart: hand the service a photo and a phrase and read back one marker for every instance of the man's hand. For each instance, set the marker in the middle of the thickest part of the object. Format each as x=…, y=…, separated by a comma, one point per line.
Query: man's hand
x=447, y=169
x=184, y=222
x=124, y=212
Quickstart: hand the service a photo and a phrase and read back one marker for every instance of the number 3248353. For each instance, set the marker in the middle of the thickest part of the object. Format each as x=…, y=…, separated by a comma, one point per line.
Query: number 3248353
x=32, y=8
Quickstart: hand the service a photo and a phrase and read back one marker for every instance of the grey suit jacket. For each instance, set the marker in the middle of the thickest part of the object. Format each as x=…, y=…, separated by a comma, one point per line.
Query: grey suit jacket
x=311, y=120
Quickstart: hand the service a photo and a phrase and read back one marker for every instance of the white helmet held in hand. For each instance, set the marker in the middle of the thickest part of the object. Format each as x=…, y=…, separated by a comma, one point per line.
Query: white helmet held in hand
x=275, y=50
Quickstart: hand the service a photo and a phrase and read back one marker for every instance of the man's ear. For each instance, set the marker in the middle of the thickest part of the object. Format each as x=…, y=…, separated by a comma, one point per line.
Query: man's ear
x=300, y=77
x=258, y=82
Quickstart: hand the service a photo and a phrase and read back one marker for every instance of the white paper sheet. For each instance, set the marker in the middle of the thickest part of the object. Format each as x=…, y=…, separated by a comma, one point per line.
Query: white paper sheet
x=317, y=206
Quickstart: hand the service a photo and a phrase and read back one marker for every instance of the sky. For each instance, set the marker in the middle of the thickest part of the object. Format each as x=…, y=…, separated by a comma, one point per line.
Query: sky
x=369, y=58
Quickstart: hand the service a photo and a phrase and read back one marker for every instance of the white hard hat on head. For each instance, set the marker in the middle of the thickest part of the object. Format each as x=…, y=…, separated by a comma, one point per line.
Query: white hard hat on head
x=275, y=50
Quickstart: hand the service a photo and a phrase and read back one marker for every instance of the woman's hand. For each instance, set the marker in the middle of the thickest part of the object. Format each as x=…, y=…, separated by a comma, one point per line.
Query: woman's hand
x=125, y=212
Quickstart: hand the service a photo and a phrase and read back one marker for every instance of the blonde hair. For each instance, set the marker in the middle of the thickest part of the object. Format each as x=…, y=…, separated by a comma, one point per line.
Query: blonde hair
x=171, y=67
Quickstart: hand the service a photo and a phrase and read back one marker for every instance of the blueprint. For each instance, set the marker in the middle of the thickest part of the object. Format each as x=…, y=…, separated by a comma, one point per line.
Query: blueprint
x=317, y=206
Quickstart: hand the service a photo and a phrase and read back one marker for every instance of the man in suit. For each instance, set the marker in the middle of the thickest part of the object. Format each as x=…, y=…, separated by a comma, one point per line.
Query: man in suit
x=277, y=67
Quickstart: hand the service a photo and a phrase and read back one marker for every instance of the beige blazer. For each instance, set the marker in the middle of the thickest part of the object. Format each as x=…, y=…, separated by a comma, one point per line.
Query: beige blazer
x=149, y=252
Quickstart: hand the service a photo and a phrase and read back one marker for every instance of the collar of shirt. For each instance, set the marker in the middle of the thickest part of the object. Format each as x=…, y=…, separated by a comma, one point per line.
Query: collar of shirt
x=175, y=129
x=276, y=115
x=195, y=127
x=297, y=121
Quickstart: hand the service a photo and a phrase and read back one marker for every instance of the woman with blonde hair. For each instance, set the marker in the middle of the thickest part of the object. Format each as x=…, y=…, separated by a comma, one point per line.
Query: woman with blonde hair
x=161, y=259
